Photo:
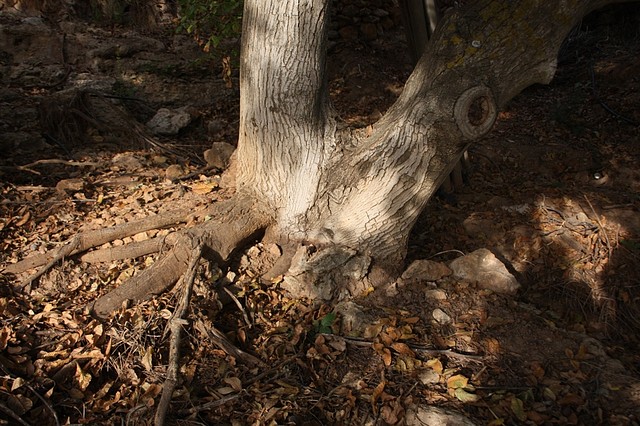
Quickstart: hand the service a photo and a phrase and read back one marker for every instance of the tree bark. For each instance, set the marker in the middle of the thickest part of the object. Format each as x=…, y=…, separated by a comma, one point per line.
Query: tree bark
x=335, y=188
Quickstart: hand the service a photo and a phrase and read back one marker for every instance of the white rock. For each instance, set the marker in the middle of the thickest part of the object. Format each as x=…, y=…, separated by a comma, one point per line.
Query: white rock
x=169, y=122
x=483, y=267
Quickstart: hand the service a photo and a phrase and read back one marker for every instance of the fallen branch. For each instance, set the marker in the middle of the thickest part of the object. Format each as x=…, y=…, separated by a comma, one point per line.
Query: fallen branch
x=176, y=323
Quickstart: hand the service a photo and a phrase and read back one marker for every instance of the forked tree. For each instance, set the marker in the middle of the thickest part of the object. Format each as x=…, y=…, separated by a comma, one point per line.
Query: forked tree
x=342, y=202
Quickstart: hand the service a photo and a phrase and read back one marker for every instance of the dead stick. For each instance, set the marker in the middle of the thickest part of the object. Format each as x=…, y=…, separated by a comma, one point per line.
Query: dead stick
x=176, y=323
x=9, y=412
x=221, y=341
x=418, y=348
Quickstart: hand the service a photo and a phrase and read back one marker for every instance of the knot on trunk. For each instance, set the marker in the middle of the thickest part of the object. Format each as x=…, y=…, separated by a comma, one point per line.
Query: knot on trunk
x=475, y=111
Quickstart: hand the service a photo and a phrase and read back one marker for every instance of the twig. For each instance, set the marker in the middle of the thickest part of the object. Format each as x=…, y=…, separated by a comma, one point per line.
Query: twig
x=239, y=305
x=221, y=341
x=418, y=348
x=134, y=410
x=445, y=252
x=210, y=405
x=8, y=411
x=176, y=323
x=59, y=254
x=63, y=162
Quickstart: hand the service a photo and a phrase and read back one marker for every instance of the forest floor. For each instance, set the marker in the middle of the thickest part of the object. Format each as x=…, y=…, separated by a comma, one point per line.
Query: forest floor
x=552, y=191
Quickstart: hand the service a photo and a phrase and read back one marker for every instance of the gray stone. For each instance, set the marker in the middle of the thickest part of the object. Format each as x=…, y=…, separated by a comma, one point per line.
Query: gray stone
x=483, y=267
x=426, y=415
x=169, y=122
x=441, y=316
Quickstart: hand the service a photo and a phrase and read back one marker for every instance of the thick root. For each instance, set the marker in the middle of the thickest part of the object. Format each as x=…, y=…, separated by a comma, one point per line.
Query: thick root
x=235, y=221
x=91, y=239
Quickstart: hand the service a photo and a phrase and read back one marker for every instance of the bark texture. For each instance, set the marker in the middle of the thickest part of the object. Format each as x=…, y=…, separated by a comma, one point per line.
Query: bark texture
x=330, y=187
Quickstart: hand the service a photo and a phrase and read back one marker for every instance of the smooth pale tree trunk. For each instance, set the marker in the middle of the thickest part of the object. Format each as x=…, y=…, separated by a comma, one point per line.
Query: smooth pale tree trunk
x=341, y=202
x=327, y=186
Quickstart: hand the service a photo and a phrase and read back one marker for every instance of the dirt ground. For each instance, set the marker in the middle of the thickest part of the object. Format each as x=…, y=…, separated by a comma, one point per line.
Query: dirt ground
x=552, y=191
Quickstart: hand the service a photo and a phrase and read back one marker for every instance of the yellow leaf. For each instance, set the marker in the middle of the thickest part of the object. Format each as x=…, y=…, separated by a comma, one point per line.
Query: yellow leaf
x=465, y=396
x=435, y=364
x=203, y=187
x=82, y=379
x=457, y=381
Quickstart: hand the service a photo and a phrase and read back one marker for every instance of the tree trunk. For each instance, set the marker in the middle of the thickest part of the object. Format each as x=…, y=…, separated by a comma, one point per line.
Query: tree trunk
x=340, y=188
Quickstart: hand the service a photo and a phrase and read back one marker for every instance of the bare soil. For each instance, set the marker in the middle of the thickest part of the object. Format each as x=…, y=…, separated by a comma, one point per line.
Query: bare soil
x=552, y=191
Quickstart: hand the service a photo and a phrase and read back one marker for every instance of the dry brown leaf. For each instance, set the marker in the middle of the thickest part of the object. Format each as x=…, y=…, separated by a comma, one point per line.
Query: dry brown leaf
x=234, y=382
x=376, y=394
x=403, y=349
x=24, y=219
x=384, y=353
x=147, y=359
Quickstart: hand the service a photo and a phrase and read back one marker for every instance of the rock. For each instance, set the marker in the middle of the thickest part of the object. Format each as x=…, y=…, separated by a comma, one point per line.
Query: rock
x=219, y=155
x=483, y=267
x=353, y=319
x=436, y=294
x=174, y=171
x=169, y=122
x=478, y=227
x=126, y=161
x=70, y=185
x=425, y=270
x=427, y=415
x=441, y=316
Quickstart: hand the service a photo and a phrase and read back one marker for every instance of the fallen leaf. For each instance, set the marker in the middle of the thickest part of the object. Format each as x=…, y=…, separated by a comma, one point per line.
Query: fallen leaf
x=403, y=349
x=234, y=382
x=464, y=396
x=435, y=364
x=517, y=407
x=457, y=381
x=147, y=359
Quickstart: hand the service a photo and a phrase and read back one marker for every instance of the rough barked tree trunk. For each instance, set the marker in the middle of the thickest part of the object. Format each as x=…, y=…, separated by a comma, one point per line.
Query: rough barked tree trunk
x=361, y=194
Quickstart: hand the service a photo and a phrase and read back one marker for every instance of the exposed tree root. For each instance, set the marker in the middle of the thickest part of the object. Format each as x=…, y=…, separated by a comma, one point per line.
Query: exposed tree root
x=235, y=221
x=175, y=325
x=90, y=239
x=131, y=250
